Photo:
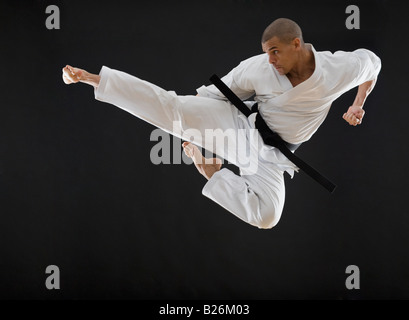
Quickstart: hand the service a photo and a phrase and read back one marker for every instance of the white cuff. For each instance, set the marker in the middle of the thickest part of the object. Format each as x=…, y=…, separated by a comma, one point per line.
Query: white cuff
x=219, y=175
x=104, y=74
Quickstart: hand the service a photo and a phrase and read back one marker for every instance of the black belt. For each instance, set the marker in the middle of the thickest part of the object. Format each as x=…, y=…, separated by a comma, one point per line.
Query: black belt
x=270, y=137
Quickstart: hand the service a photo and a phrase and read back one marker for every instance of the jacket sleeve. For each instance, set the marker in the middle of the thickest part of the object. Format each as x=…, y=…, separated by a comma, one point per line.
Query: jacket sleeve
x=368, y=66
x=237, y=80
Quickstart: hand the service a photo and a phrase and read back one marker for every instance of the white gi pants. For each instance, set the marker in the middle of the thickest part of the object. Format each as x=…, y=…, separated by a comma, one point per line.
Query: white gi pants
x=256, y=198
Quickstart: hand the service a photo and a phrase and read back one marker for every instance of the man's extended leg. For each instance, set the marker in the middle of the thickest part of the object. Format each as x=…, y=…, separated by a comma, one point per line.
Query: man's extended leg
x=187, y=117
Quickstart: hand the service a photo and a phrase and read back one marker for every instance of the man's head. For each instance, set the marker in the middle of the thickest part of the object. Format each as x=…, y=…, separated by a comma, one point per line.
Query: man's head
x=282, y=41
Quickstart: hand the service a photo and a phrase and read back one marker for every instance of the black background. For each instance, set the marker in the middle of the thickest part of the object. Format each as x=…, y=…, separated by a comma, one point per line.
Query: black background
x=78, y=189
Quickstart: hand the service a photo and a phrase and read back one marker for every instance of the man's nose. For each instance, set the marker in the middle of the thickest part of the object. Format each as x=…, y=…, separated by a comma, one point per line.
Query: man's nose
x=272, y=59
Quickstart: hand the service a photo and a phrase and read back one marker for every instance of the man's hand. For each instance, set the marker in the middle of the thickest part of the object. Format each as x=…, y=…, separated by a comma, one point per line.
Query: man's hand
x=71, y=74
x=354, y=115
x=74, y=75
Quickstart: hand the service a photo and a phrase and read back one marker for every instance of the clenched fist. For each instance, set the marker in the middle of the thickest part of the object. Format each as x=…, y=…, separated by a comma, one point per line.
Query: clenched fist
x=74, y=75
x=354, y=115
x=71, y=74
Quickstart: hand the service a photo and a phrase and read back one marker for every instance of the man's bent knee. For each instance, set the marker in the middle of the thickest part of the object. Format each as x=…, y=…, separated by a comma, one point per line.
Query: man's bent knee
x=267, y=223
x=267, y=219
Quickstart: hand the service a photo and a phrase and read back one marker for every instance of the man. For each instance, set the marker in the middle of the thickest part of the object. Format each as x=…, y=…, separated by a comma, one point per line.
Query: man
x=294, y=86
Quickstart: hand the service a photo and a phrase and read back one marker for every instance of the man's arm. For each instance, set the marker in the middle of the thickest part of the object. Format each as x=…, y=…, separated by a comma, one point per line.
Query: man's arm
x=355, y=113
x=367, y=66
x=363, y=92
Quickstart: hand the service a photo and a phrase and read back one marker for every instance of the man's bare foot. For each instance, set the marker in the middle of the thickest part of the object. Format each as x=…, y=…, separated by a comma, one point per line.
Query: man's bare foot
x=206, y=167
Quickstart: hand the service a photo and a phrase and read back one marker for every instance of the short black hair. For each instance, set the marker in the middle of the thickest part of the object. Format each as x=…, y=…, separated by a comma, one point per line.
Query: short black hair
x=284, y=29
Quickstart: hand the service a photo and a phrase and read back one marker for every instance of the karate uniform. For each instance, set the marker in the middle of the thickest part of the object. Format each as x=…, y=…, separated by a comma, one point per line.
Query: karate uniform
x=295, y=113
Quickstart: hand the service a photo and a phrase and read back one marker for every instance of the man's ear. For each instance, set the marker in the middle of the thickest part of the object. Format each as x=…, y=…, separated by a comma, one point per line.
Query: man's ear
x=297, y=43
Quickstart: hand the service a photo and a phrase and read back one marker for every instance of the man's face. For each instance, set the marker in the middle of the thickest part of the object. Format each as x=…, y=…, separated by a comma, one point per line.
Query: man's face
x=283, y=56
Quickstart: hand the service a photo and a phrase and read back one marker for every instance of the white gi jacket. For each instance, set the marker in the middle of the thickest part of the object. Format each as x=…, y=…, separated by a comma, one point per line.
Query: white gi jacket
x=295, y=113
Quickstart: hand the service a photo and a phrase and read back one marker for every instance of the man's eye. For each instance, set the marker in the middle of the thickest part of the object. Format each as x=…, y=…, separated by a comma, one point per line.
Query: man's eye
x=275, y=51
